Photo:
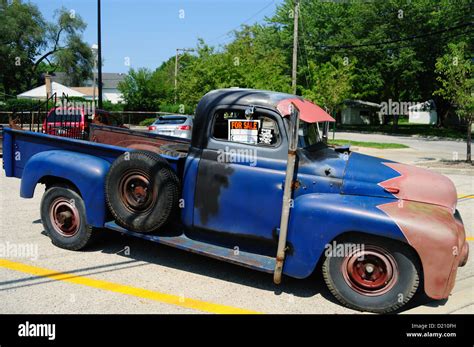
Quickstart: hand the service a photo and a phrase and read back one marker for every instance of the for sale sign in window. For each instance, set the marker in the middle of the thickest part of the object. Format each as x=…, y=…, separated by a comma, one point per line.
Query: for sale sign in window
x=245, y=131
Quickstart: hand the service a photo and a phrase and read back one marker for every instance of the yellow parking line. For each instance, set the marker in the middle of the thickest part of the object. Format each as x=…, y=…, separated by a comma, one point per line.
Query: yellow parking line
x=470, y=196
x=124, y=289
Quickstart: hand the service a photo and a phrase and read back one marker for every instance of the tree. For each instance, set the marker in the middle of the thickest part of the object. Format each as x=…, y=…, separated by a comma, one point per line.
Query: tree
x=331, y=83
x=63, y=43
x=22, y=30
x=139, y=90
x=455, y=70
x=255, y=61
x=251, y=60
x=163, y=79
x=201, y=74
x=29, y=46
x=402, y=70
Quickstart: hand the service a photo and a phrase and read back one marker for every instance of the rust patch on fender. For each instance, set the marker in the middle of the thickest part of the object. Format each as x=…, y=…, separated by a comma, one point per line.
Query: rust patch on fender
x=417, y=184
x=433, y=232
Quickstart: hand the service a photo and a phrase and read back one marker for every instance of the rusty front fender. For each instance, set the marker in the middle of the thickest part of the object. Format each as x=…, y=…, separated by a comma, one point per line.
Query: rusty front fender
x=438, y=238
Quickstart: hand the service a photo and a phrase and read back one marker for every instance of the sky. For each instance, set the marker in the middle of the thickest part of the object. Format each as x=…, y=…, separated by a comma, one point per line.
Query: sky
x=145, y=33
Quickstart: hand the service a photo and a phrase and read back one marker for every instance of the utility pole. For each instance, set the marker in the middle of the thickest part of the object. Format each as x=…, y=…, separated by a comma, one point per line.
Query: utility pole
x=295, y=45
x=99, y=57
x=184, y=50
x=94, y=49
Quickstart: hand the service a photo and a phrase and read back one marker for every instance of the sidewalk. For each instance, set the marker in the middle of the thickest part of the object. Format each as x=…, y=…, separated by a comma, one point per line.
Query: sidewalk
x=460, y=301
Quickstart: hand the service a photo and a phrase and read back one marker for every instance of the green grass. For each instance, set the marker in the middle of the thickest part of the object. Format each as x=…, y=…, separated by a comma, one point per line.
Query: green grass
x=378, y=145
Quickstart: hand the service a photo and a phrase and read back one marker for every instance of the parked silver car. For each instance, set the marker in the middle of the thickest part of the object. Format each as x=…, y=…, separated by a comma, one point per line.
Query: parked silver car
x=173, y=125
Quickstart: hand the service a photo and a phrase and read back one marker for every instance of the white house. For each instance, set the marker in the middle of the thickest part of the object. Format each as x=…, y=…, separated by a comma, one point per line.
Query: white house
x=59, y=80
x=423, y=113
x=40, y=92
x=110, y=82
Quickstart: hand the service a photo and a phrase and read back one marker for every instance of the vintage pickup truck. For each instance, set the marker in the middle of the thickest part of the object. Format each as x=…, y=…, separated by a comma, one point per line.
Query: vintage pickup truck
x=256, y=186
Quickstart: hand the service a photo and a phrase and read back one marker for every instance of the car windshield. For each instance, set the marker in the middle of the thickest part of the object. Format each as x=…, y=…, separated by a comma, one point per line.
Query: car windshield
x=170, y=120
x=308, y=134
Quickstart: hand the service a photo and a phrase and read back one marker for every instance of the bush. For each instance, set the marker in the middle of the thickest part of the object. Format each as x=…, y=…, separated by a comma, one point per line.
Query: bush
x=108, y=106
x=19, y=105
x=147, y=122
x=75, y=99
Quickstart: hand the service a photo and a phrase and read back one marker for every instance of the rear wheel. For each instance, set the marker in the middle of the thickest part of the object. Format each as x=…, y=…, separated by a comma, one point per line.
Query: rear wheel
x=372, y=274
x=63, y=215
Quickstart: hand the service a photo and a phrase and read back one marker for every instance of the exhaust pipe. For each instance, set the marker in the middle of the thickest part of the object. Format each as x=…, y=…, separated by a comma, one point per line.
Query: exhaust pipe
x=287, y=192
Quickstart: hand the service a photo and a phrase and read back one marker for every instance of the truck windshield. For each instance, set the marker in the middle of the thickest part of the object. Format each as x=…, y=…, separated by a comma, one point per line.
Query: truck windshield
x=308, y=134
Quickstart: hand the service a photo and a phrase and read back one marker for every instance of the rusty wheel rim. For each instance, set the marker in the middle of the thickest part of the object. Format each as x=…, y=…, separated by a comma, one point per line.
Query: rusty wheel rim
x=64, y=216
x=135, y=190
x=370, y=271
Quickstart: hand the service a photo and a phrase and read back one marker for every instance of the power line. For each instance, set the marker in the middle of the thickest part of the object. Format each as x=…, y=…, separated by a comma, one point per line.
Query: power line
x=414, y=37
x=395, y=47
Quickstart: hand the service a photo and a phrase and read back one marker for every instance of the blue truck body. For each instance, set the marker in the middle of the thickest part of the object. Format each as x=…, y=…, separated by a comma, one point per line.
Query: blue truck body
x=39, y=158
x=338, y=194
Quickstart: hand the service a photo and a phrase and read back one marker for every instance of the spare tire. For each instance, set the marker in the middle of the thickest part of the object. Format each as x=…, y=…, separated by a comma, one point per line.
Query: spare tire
x=142, y=191
x=179, y=150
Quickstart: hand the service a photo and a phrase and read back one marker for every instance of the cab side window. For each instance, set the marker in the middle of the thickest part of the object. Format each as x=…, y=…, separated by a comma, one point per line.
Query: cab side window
x=257, y=129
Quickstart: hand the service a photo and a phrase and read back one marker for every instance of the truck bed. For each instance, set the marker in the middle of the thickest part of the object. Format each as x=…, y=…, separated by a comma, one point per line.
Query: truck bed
x=135, y=139
x=20, y=145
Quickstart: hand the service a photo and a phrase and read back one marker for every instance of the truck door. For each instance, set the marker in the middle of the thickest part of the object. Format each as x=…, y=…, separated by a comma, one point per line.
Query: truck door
x=238, y=194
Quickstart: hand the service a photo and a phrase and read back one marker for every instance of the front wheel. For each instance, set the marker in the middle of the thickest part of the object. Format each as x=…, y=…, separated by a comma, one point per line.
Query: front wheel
x=374, y=275
x=63, y=215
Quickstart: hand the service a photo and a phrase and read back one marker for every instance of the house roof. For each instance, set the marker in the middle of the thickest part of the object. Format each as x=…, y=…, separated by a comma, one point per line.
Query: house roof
x=40, y=92
x=361, y=103
x=88, y=91
x=110, y=80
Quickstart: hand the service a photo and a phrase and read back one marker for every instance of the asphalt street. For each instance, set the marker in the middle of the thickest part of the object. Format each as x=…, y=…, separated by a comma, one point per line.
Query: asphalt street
x=421, y=149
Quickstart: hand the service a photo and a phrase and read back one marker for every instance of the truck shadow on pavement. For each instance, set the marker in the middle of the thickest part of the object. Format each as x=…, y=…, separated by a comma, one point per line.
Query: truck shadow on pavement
x=111, y=242
x=145, y=251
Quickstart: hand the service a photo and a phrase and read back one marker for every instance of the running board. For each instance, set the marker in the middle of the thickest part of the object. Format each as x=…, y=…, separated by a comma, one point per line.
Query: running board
x=250, y=260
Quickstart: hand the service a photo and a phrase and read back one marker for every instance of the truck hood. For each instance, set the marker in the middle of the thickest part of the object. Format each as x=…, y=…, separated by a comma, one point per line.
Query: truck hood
x=371, y=176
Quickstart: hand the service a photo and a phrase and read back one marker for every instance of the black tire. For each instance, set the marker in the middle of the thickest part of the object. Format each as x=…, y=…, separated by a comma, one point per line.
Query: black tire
x=387, y=293
x=62, y=205
x=142, y=191
x=179, y=150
